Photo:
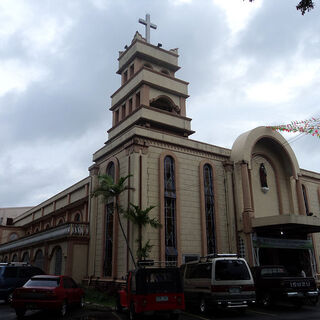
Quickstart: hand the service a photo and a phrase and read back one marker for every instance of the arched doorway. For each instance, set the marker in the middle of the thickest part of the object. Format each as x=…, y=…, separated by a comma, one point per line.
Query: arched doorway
x=39, y=259
x=26, y=257
x=57, y=261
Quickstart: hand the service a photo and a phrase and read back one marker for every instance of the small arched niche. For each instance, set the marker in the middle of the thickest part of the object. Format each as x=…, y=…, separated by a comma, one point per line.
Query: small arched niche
x=164, y=103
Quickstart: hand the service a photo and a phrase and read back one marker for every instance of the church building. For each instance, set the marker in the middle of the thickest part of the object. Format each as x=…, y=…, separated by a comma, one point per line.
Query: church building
x=252, y=199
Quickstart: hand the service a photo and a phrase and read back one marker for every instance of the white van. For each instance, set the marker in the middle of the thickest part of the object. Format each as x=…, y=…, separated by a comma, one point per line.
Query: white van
x=219, y=280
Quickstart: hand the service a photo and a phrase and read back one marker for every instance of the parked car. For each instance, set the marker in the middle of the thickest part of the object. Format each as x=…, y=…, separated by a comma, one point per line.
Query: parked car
x=47, y=292
x=218, y=281
x=273, y=284
x=152, y=290
x=14, y=275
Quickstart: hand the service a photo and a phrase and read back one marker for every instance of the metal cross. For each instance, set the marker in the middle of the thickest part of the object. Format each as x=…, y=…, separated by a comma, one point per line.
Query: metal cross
x=148, y=25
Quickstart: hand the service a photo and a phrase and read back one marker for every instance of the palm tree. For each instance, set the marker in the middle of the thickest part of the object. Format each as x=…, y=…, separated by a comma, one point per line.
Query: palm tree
x=141, y=219
x=109, y=189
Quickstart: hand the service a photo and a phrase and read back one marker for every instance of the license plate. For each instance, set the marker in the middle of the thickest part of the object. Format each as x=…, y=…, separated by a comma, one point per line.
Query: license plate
x=31, y=306
x=234, y=290
x=162, y=299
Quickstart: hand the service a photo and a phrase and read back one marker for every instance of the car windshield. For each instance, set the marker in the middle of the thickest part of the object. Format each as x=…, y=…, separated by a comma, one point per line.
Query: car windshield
x=231, y=270
x=274, y=272
x=159, y=280
x=43, y=282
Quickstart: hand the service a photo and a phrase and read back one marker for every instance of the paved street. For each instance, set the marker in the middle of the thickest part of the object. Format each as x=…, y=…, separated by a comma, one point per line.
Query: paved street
x=7, y=313
x=278, y=312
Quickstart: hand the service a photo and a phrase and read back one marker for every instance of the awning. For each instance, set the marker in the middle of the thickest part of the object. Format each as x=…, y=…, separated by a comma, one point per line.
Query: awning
x=287, y=223
x=261, y=242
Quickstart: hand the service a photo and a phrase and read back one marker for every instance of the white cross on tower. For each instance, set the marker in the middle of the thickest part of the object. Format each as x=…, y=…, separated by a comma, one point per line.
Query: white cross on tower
x=148, y=25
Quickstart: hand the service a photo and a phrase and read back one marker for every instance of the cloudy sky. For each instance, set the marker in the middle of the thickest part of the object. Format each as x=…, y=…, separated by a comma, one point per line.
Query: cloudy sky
x=248, y=64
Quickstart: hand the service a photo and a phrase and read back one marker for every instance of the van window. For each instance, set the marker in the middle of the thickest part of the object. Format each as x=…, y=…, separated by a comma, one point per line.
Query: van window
x=10, y=272
x=231, y=270
x=199, y=271
x=191, y=271
x=159, y=280
x=204, y=271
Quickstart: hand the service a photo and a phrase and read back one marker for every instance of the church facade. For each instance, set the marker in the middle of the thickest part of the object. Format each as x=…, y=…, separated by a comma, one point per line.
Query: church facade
x=252, y=199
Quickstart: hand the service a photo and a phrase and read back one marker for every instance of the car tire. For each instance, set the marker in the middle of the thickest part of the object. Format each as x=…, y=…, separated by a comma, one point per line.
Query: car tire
x=9, y=298
x=203, y=308
x=242, y=311
x=297, y=303
x=266, y=300
x=20, y=313
x=82, y=303
x=132, y=313
x=63, y=309
x=174, y=316
x=119, y=308
x=314, y=300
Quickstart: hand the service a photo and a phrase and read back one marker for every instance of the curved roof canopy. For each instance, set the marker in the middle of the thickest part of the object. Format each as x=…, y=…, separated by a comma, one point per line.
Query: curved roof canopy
x=243, y=146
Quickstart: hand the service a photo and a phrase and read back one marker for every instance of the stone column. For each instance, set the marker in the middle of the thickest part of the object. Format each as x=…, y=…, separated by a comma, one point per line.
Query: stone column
x=302, y=208
x=247, y=209
x=144, y=95
x=93, y=207
x=183, y=106
x=230, y=207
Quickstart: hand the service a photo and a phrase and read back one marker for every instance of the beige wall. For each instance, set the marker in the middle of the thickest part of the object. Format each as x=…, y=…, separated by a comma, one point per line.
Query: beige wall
x=265, y=203
x=80, y=258
x=11, y=213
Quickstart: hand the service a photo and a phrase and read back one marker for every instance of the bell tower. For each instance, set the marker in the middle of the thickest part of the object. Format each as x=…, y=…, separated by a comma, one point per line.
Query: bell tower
x=150, y=95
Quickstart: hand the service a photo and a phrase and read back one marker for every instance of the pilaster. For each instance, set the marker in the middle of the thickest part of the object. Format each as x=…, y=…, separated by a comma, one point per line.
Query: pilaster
x=302, y=209
x=230, y=207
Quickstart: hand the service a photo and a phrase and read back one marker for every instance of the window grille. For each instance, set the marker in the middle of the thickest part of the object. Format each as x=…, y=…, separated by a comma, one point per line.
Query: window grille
x=209, y=208
x=242, y=248
x=170, y=209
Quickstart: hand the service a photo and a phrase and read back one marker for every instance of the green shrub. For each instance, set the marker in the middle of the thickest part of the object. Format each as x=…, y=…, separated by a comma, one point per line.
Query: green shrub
x=97, y=296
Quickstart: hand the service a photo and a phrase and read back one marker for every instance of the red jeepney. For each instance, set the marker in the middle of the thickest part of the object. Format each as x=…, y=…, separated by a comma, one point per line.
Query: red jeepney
x=152, y=290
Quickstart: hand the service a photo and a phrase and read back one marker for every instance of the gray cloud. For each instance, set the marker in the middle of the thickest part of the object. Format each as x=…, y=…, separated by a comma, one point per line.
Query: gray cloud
x=49, y=131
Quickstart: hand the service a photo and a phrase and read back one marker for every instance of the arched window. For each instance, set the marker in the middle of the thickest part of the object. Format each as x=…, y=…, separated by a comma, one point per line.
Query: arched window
x=47, y=226
x=305, y=198
x=57, y=261
x=165, y=71
x=148, y=65
x=109, y=221
x=60, y=221
x=14, y=258
x=209, y=208
x=111, y=170
x=39, y=259
x=163, y=103
x=77, y=217
x=25, y=257
x=170, y=209
x=5, y=259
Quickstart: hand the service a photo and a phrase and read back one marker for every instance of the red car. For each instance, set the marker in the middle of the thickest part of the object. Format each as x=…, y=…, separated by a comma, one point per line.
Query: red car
x=152, y=290
x=47, y=292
